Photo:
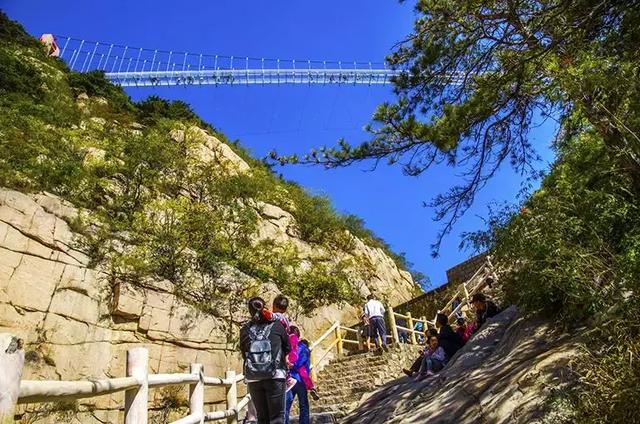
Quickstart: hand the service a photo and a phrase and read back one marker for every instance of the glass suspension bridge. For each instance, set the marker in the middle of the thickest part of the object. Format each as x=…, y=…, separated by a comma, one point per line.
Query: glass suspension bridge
x=139, y=67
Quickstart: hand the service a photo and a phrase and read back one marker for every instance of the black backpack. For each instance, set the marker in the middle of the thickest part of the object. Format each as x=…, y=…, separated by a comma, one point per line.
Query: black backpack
x=259, y=362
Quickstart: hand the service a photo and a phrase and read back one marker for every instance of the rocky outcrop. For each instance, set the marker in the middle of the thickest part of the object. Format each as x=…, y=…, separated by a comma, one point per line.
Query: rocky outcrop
x=78, y=323
x=505, y=374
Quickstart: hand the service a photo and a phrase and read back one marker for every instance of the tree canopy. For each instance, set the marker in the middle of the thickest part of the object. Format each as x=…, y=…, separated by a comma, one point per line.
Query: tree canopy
x=479, y=75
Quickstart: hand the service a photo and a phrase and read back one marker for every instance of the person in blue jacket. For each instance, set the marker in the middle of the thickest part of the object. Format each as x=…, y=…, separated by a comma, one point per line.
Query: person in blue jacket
x=300, y=372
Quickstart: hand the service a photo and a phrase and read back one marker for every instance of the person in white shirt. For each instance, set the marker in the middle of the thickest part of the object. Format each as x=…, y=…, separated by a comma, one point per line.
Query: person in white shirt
x=374, y=310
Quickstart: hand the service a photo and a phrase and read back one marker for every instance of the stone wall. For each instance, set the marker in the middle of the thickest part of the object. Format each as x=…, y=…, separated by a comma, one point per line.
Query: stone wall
x=465, y=270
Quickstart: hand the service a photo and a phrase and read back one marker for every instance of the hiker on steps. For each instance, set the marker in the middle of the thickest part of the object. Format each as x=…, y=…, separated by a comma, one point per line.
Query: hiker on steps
x=449, y=340
x=484, y=309
x=374, y=310
x=278, y=313
x=433, y=359
x=464, y=329
x=264, y=345
x=300, y=371
x=365, y=331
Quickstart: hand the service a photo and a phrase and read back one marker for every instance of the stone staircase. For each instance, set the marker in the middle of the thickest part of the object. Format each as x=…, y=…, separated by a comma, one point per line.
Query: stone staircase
x=345, y=381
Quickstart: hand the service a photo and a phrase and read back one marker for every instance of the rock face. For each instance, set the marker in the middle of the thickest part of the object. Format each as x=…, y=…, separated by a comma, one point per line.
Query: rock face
x=75, y=326
x=505, y=374
x=77, y=323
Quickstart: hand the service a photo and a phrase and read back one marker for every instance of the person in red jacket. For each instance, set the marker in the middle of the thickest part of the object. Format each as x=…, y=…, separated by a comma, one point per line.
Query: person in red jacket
x=464, y=329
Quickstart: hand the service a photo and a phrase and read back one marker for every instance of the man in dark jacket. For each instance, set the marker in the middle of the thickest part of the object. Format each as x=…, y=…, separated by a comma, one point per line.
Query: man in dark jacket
x=265, y=371
x=484, y=308
x=447, y=338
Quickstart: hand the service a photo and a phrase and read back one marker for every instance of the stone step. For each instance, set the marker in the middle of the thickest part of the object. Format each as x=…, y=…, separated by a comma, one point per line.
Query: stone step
x=343, y=382
x=373, y=378
x=336, y=389
x=357, y=365
x=337, y=409
x=366, y=358
x=318, y=418
x=356, y=375
x=345, y=396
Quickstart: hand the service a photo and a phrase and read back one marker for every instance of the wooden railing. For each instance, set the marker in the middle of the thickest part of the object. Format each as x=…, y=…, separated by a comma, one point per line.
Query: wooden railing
x=135, y=386
x=324, y=345
x=338, y=331
x=465, y=292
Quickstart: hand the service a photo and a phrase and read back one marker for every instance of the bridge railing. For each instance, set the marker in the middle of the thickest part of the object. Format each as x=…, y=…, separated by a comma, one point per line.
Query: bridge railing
x=135, y=385
x=130, y=66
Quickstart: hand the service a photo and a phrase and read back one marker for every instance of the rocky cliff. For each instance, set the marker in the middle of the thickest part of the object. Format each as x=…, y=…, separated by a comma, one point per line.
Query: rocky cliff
x=78, y=322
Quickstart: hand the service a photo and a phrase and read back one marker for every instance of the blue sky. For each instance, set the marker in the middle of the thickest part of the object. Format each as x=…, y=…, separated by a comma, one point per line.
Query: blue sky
x=292, y=119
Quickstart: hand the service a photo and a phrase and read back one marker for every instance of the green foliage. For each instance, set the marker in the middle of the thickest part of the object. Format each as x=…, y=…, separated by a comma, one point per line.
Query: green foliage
x=320, y=282
x=94, y=83
x=573, y=252
x=158, y=210
x=153, y=108
x=477, y=76
x=18, y=77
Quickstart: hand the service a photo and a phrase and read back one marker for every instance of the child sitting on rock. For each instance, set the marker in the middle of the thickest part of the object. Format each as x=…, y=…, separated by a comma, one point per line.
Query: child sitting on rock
x=433, y=358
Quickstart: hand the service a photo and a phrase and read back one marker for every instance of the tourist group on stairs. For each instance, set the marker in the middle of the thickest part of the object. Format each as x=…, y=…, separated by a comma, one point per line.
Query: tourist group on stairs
x=277, y=365
x=373, y=320
x=443, y=342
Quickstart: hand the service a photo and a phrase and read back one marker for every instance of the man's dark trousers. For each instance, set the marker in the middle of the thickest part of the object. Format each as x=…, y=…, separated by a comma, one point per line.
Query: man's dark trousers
x=268, y=398
x=378, y=329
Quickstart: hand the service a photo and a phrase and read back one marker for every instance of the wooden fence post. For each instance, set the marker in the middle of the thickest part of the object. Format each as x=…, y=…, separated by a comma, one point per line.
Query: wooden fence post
x=392, y=323
x=339, y=344
x=467, y=298
x=11, y=362
x=232, y=395
x=136, y=400
x=360, y=342
x=410, y=326
x=196, y=392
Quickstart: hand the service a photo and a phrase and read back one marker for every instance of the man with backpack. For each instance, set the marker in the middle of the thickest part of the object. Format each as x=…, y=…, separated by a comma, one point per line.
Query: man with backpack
x=264, y=345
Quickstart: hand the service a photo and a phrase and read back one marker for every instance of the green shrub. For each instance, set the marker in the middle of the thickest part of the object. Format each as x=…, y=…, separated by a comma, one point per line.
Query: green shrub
x=153, y=108
x=94, y=83
x=18, y=78
x=572, y=252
